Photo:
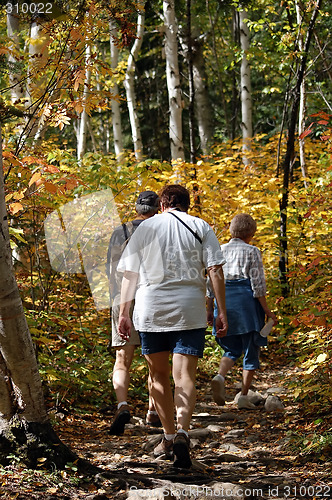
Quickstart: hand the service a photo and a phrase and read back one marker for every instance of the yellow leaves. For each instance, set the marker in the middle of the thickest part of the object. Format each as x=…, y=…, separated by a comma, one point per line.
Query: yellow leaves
x=15, y=207
x=321, y=358
x=313, y=365
x=36, y=176
x=61, y=120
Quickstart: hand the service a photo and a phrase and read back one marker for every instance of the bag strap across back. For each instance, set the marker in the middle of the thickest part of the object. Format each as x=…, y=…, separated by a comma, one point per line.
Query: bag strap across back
x=198, y=238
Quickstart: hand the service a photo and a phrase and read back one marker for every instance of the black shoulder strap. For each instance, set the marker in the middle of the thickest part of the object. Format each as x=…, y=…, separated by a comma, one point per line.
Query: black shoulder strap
x=189, y=228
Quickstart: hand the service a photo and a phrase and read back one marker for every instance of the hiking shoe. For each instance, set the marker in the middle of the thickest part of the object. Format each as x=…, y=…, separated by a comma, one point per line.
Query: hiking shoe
x=244, y=403
x=218, y=390
x=164, y=450
x=181, y=451
x=153, y=420
x=121, y=418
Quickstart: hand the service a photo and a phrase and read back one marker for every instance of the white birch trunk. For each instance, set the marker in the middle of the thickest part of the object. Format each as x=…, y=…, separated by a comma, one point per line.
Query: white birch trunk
x=15, y=78
x=115, y=104
x=246, y=97
x=129, y=84
x=302, y=106
x=173, y=80
x=18, y=365
x=83, y=123
x=38, y=54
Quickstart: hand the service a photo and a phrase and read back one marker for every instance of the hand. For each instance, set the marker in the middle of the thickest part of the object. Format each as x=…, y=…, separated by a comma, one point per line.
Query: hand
x=221, y=326
x=271, y=315
x=124, y=327
x=209, y=318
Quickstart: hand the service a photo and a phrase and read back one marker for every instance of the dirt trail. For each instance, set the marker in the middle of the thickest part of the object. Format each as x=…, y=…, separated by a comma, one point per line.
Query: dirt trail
x=244, y=449
x=237, y=454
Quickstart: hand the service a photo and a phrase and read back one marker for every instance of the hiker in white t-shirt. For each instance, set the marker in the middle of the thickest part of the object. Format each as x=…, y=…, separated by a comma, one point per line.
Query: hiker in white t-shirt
x=164, y=269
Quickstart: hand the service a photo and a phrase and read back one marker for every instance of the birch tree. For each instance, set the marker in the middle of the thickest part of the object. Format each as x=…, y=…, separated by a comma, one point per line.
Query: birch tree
x=246, y=96
x=84, y=117
x=129, y=84
x=173, y=80
x=115, y=103
x=36, y=79
x=15, y=77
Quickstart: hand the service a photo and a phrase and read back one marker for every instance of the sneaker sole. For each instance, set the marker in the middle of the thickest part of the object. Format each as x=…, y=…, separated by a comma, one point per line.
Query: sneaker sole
x=181, y=452
x=117, y=428
x=216, y=385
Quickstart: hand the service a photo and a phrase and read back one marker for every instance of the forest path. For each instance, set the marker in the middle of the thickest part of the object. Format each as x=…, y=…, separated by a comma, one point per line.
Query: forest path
x=236, y=453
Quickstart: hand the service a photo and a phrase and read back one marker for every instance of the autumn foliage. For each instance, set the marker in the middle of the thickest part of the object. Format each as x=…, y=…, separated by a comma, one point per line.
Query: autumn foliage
x=64, y=323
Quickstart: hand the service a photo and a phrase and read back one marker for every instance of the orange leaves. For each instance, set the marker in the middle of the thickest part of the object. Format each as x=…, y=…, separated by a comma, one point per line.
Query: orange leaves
x=15, y=207
x=35, y=178
x=50, y=187
x=79, y=78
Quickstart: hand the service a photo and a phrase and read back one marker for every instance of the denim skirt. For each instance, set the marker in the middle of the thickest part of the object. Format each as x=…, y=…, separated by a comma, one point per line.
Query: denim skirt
x=244, y=312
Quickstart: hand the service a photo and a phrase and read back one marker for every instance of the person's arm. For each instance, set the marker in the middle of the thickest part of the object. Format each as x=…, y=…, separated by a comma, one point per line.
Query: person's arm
x=209, y=310
x=128, y=290
x=218, y=284
x=267, y=310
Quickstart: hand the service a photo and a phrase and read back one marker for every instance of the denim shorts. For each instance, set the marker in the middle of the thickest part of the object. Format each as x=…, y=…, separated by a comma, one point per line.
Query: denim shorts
x=246, y=343
x=183, y=342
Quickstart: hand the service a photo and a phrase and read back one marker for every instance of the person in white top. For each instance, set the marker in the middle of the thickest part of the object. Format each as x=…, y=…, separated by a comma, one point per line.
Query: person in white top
x=246, y=307
x=164, y=267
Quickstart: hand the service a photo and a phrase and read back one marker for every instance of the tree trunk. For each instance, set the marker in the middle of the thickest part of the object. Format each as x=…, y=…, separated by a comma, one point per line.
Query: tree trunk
x=192, y=146
x=15, y=77
x=38, y=56
x=173, y=80
x=289, y=155
x=25, y=430
x=204, y=112
x=218, y=71
x=83, y=123
x=115, y=103
x=129, y=84
x=246, y=97
x=302, y=108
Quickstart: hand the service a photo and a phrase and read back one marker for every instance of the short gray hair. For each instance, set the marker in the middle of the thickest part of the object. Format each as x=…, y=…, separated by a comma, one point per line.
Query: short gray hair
x=146, y=209
x=242, y=226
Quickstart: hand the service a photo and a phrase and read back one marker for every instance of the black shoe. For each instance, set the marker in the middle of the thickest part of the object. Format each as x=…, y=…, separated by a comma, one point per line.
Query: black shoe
x=121, y=418
x=181, y=451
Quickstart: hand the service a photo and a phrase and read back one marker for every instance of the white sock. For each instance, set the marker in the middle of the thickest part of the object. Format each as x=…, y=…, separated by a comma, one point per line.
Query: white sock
x=152, y=412
x=182, y=431
x=220, y=377
x=169, y=437
x=122, y=403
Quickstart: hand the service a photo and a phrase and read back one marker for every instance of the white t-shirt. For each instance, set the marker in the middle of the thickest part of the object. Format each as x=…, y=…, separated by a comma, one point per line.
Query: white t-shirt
x=171, y=264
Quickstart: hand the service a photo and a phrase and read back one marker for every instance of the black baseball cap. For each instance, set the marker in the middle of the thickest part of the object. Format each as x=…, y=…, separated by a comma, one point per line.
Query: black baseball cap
x=149, y=198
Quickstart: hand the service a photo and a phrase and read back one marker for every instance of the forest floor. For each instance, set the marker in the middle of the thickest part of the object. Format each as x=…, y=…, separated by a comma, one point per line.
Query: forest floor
x=237, y=454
